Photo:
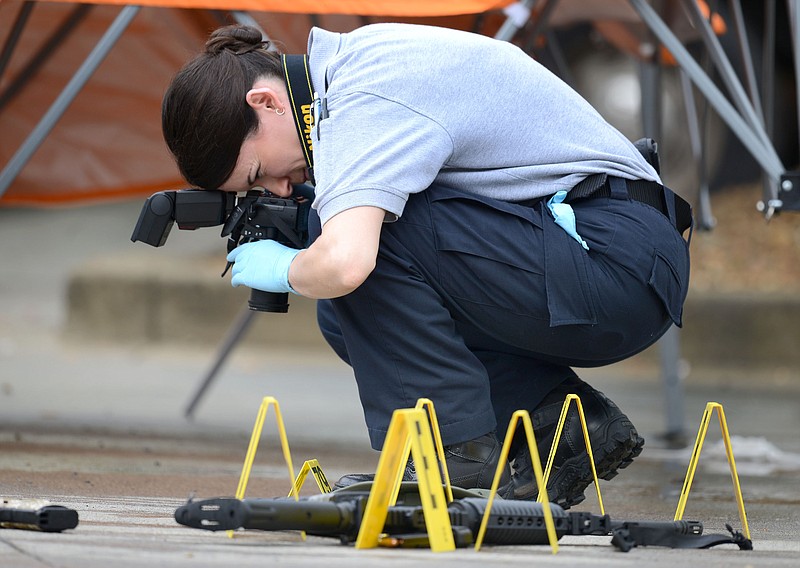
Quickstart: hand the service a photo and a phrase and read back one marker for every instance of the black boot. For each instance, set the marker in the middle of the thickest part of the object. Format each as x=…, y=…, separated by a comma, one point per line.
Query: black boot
x=615, y=443
x=471, y=465
x=352, y=478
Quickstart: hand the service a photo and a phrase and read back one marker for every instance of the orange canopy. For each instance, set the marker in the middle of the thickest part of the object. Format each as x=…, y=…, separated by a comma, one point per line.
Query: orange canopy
x=397, y=8
x=108, y=143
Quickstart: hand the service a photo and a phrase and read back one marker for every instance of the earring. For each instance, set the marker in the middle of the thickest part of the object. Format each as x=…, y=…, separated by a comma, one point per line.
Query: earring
x=280, y=111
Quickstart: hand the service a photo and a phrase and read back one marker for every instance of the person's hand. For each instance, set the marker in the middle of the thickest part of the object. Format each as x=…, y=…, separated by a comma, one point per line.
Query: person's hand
x=263, y=265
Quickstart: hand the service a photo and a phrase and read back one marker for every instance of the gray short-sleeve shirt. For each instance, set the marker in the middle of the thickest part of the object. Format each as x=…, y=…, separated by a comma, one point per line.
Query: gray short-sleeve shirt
x=409, y=106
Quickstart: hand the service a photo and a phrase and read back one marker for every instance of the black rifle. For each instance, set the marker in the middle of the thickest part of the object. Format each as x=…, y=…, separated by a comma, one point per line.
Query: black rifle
x=36, y=515
x=339, y=515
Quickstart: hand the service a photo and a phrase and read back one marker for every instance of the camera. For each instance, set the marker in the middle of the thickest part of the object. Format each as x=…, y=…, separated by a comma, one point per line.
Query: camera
x=255, y=216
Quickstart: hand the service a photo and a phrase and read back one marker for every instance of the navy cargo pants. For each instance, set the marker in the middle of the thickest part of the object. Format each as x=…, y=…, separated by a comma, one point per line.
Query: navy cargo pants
x=484, y=306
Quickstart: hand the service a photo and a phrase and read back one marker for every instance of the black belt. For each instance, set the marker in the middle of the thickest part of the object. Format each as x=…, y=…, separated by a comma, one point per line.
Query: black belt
x=648, y=192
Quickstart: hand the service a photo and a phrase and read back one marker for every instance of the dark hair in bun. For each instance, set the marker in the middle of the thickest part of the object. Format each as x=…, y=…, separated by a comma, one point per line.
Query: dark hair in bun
x=204, y=115
x=236, y=39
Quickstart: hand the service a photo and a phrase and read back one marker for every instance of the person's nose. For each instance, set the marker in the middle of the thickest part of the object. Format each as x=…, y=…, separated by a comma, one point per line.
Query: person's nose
x=282, y=187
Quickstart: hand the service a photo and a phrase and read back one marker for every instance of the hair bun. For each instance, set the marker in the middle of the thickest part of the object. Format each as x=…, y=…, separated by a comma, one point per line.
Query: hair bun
x=237, y=39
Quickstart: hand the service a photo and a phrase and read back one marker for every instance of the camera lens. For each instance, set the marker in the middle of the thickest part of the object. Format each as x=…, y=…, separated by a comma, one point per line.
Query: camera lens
x=268, y=301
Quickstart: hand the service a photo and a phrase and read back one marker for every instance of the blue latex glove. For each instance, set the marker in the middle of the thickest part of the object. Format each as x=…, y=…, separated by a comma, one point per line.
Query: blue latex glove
x=263, y=265
x=564, y=216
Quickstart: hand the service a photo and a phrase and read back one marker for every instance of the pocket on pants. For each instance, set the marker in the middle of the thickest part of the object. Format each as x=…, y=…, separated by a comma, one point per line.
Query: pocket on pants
x=669, y=286
x=511, y=256
x=570, y=299
x=489, y=252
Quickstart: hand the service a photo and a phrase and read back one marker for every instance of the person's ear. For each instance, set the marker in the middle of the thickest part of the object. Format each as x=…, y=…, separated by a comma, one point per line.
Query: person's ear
x=262, y=98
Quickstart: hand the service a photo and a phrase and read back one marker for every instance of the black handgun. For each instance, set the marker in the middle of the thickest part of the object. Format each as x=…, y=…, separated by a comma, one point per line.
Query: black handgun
x=36, y=515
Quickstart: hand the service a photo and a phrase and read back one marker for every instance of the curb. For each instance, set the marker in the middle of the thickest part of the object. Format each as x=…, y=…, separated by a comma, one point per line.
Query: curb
x=147, y=299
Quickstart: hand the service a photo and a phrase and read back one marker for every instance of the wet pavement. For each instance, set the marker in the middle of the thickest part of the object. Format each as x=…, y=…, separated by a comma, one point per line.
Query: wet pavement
x=100, y=427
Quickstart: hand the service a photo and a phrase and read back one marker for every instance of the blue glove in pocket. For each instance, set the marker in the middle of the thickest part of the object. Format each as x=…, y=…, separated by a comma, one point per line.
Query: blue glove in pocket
x=564, y=216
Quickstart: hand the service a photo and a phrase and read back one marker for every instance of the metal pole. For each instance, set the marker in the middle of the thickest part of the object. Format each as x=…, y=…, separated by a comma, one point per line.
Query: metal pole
x=769, y=186
x=728, y=75
x=747, y=57
x=765, y=155
x=705, y=218
x=793, y=7
x=540, y=25
x=66, y=97
x=651, y=78
x=516, y=20
x=673, y=386
x=14, y=35
x=57, y=37
x=235, y=333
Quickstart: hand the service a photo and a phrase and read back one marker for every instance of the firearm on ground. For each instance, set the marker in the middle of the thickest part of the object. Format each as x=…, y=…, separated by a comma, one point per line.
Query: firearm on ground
x=340, y=514
x=36, y=515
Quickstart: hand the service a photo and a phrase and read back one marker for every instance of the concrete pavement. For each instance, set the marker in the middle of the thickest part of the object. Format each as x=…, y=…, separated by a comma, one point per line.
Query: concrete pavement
x=98, y=424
